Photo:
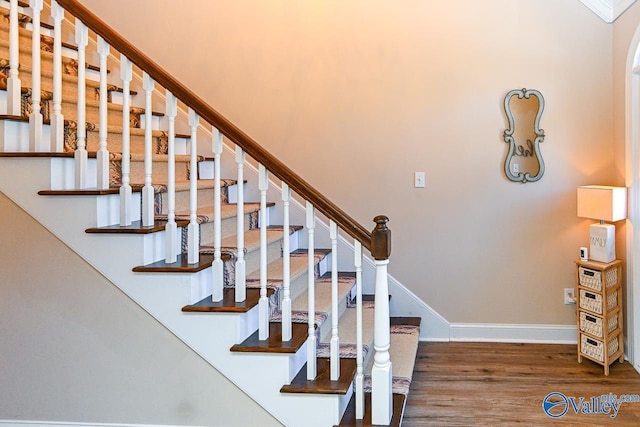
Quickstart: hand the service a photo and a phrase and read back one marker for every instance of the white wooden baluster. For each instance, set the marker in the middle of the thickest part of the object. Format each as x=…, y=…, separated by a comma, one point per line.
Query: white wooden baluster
x=286, y=265
x=125, y=188
x=102, y=156
x=14, y=86
x=148, y=208
x=193, y=249
x=263, y=304
x=171, y=229
x=218, y=267
x=335, y=340
x=241, y=282
x=311, y=289
x=57, y=119
x=80, y=155
x=359, y=383
x=381, y=373
x=35, y=118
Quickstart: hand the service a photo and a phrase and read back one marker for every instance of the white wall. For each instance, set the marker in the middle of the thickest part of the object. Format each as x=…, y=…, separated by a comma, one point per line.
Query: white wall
x=75, y=349
x=356, y=96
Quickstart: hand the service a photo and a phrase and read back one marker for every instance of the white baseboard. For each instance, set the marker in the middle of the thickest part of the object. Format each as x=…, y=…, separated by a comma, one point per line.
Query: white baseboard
x=490, y=332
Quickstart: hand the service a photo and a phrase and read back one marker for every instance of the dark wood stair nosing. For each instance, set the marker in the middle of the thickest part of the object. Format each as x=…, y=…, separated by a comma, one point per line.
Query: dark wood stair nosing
x=21, y=118
x=136, y=227
x=349, y=417
x=180, y=266
x=405, y=320
x=228, y=303
x=323, y=384
x=41, y=154
x=274, y=343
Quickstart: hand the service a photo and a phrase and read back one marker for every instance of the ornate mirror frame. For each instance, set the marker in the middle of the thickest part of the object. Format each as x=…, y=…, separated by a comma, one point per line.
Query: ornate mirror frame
x=517, y=150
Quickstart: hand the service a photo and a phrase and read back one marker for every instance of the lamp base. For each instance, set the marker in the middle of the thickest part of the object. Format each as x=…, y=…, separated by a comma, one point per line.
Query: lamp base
x=603, y=242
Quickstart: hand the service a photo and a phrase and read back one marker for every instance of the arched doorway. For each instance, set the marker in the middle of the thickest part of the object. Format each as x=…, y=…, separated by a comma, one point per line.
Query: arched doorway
x=632, y=178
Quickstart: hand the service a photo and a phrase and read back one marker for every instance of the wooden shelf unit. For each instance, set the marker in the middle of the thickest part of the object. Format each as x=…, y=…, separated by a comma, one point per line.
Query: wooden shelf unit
x=598, y=293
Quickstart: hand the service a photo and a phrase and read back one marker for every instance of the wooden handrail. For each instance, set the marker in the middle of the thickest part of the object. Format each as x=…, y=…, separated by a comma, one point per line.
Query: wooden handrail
x=228, y=129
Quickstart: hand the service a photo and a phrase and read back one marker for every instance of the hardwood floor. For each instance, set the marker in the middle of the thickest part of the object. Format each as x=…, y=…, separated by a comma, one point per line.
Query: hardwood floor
x=489, y=384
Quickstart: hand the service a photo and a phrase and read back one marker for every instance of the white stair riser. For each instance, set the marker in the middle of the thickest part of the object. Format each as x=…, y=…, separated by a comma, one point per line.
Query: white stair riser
x=14, y=136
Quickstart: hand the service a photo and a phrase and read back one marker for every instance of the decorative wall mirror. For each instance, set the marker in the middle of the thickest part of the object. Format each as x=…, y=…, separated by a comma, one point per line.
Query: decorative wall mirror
x=524, y=162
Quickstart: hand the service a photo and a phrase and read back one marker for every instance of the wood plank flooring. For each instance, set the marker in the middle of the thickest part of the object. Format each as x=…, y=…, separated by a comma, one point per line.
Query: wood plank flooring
x=490, y=384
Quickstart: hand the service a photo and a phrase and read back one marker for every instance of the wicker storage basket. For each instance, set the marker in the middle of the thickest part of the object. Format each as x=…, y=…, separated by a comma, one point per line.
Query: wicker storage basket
x=593, y=324
x=593, y=301
x=595, y=348
x=593, y=278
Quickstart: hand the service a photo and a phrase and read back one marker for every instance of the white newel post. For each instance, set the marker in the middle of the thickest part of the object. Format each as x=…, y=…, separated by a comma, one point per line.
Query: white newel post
x=263, y=304
x=218, y=266
x=14, y=86
x=80, y=155
x=241, y=268
x=102, y=156
x=193, y=231
x=381, y=373
x=148, y=208
x=335, y=339
x=35, y=118
x=311, y=289
x=125, y=189
x=286, y=265
x=171, y=229
x=57, y=118
x=359, y=383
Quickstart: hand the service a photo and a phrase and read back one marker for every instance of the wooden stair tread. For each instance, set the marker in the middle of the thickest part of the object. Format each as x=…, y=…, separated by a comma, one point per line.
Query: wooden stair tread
x=20, y=118
x=43, y=24
x=180, y=266
x=274, y=343
x=251, y=240
x=85, y=192
x=228, y=303
x=48, y=74
x=292, y=228
x=182, y=185
x=410, y=321
x=91, y=154
x=227, y=210
x=111, y=107
x=323, y=384
x=322, y=297
x=298, y=266
x=349, y=417
x=136, y=227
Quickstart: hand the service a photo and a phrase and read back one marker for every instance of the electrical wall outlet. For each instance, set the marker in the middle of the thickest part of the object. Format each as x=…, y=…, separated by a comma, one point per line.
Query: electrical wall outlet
x=569, y=296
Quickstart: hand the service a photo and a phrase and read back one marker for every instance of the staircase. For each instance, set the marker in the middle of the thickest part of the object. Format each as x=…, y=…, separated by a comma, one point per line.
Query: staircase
x=197, y=224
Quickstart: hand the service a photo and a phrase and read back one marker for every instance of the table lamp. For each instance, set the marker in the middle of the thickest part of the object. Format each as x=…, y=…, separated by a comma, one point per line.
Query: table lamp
x=603, y=203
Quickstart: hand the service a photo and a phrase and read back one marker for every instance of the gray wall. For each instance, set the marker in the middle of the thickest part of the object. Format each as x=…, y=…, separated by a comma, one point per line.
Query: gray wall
x=74, y=348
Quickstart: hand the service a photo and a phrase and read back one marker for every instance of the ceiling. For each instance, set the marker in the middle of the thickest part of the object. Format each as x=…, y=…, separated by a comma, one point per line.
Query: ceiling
x=608, y=10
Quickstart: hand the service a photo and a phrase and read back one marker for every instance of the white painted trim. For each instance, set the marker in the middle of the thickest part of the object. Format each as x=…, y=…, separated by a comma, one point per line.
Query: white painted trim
x=608, y=10
x=632, y=172
x=19, y=423
x=495, y=332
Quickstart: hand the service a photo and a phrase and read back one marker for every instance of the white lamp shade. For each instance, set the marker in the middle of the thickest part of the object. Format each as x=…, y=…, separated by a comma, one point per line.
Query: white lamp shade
x=602, y=202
